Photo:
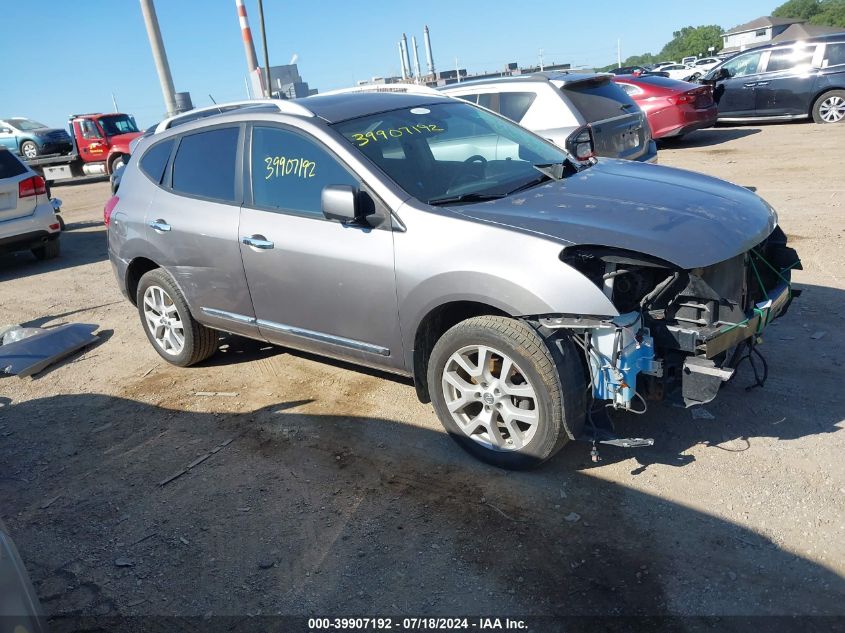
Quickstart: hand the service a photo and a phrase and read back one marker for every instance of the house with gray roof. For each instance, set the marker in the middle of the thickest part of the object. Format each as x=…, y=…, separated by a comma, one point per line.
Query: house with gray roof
x=756, y=32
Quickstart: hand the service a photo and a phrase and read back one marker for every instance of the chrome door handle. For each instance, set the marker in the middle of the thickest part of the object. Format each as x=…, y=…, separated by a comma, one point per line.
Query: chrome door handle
x=160, y=225
x=762, y=83
x=751, y=85
x=257, y=241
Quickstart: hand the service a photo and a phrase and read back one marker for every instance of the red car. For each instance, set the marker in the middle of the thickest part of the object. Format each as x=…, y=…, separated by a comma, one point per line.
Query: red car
x=673, y=107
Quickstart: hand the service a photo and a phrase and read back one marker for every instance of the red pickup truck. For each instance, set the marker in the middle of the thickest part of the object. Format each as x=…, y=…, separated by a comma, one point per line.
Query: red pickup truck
x=100, y=146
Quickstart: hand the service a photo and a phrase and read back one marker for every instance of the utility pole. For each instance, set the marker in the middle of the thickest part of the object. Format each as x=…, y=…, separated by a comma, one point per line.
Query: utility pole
x=457, y=70
x=114, y=102
x=159, y=56
x=618, y=53
x=541, y=60
x=266, y=54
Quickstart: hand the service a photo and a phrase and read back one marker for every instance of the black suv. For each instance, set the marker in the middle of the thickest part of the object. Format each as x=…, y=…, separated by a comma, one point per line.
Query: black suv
x=783, y=81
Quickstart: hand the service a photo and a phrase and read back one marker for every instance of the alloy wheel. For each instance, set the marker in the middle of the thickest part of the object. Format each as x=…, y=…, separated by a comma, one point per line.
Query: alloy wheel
x=832, y=109
x=163, y=321
x=29, y=150
x=490, y=398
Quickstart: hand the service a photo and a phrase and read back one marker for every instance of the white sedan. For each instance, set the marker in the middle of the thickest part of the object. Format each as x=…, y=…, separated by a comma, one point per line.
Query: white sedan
x=677, y=71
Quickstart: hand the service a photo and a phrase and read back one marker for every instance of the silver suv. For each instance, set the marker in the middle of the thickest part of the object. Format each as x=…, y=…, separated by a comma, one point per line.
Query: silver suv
x=429, y=237
x=586, y=113
x=28, y=220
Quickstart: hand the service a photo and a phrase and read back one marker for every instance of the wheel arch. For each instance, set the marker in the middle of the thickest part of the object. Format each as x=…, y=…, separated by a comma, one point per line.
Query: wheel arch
x=433, y=325
x=137, y=268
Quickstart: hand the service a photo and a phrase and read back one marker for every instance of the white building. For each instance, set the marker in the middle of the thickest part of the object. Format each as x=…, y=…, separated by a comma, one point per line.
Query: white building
x=756, y=32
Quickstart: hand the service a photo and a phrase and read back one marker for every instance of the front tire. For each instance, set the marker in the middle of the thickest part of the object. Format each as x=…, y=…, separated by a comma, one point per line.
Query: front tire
x=830, y=107
x=173, y=332
x=116, y=163
x=503, y=394
x=29, y=149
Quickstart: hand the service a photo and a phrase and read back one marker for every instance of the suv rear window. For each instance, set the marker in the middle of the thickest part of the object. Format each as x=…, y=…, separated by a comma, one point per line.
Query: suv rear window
x=9, y=165
x=205, y=164
x=597, y=101
x=154, y=160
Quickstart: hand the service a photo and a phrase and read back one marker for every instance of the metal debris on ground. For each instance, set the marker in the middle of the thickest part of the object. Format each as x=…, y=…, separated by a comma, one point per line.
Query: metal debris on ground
x=225, y=394
x=199, y=460
x=31, y=354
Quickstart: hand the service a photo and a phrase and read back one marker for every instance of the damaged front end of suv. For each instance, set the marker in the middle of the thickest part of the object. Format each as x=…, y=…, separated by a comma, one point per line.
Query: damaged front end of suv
x=680, y=333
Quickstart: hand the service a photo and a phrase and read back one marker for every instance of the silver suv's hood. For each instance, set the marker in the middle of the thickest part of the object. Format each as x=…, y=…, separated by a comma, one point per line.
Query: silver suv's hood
x=682, y=217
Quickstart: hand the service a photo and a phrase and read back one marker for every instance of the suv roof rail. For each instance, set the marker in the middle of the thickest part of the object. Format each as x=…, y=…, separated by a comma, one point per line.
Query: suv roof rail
x=76, y=116
x=400, y=87
x=284, y=106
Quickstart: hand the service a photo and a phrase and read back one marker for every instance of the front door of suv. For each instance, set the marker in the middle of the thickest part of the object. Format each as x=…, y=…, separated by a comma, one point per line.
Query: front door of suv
x=316, y=284
x=735, y=93
x=788, y=82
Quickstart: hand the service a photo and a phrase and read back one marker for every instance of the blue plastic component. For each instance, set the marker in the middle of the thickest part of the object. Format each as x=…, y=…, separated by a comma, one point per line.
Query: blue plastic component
x=618, y=384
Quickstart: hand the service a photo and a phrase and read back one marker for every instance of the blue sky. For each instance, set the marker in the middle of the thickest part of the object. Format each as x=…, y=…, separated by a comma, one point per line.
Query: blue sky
x=63, y=56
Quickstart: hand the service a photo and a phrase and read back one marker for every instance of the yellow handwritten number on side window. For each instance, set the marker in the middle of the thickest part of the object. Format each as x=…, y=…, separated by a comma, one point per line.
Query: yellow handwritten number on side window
x=282, y=166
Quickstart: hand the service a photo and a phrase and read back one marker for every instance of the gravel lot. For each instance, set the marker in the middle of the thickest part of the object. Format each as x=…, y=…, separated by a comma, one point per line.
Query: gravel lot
x=332, y=491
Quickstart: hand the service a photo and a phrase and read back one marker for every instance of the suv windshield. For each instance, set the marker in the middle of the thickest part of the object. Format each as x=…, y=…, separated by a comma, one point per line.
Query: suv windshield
x=118, y=124
x=25, y=125
x=452, y=152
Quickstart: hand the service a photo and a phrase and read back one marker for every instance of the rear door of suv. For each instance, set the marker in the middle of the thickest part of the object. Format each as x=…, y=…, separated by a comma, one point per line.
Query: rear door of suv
x=192, y=224
x=619, y=127
x=787, y=81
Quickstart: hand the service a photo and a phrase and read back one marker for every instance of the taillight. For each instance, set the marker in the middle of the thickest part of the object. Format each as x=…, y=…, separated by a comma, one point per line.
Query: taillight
x=580, y=144
x=686, y=97
x=109, y=208
x=31, y=187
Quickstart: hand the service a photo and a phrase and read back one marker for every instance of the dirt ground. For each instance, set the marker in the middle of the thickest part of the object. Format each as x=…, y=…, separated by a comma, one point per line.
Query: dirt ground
x=328, y=490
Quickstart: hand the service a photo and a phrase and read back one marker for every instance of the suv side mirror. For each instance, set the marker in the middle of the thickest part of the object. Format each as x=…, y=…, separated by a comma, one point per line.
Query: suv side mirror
x=722, y=73
x=340, y=203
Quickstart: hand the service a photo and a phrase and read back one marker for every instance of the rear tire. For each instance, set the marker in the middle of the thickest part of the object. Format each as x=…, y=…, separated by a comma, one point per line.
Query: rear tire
x=171, y=329
x=50, y=250
x=830, y=107
x=512, y=410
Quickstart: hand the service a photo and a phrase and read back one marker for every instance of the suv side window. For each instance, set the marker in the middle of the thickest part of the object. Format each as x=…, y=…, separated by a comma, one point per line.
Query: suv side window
x=743, y=65
x=205, y=164
x=789, y=58
x=289, y=171
x=155, y=160
x=834, y=55
x=514, y=105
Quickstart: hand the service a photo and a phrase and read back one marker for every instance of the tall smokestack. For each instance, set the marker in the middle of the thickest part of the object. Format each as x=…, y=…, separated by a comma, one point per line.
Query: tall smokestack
x=246, y=34
x=407, y=53
x=428, y=56
x=416, y=57
x=402, y=59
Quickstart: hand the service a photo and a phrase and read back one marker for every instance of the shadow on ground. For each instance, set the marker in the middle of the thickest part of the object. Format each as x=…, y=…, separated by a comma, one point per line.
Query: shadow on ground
x=708, y=137
x=79, y=246
x=122, y=507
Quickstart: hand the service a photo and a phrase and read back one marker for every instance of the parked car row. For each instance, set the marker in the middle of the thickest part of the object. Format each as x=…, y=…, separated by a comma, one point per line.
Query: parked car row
x=521, y=286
